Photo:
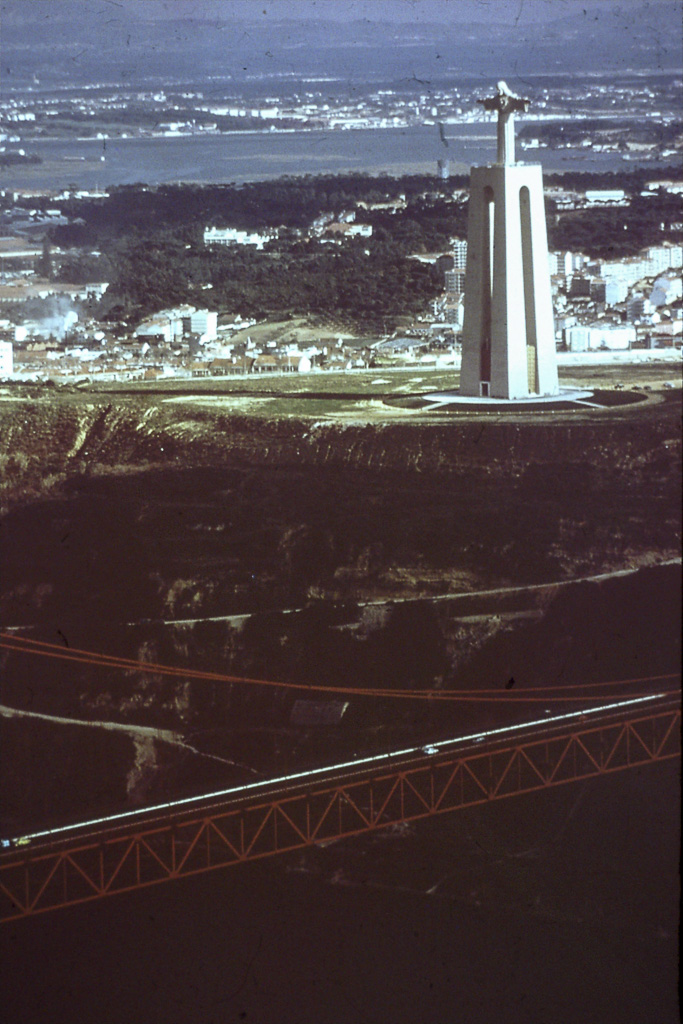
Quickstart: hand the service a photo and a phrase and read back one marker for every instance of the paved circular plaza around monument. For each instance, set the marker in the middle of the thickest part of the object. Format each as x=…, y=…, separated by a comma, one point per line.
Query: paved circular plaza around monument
x=564, y=396
x=567, y=400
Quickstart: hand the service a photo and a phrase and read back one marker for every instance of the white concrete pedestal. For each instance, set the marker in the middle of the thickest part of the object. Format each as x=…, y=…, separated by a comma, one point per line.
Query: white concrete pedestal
x=508, y=347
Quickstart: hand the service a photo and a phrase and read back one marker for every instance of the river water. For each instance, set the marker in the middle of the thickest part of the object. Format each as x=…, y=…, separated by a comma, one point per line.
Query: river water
x=253, y=156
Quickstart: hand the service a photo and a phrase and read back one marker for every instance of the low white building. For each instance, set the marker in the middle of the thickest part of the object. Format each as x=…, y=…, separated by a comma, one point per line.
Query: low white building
x=590, y=339
x=233, y=236
x=344, y=229
x=606, y=197
x=163, y=327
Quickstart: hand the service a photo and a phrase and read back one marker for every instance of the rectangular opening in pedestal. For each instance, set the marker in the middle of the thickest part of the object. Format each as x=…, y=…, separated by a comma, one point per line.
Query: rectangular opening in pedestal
x=484, y=389
x=529, y=291
x=488, y=242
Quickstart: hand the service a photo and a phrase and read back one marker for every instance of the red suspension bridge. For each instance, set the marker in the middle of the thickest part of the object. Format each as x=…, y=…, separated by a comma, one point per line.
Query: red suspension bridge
x=94, y=859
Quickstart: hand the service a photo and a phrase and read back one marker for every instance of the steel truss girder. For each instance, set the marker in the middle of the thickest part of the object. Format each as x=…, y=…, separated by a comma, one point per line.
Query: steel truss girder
x=33, y=882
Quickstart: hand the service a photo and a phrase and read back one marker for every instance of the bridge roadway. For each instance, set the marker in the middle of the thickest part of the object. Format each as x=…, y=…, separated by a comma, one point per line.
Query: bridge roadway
x=98, y=857
x=348, y=772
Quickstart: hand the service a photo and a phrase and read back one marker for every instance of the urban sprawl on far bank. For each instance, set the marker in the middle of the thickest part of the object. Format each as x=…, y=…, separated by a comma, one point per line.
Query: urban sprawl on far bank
x=55, y=324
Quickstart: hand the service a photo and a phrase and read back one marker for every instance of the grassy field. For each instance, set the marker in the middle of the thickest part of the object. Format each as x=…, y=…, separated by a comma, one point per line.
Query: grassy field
x=362, y=394
x=355, y=394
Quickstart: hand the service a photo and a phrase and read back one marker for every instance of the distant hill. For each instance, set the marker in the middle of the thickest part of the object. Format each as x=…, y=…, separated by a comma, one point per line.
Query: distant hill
x=92, y=40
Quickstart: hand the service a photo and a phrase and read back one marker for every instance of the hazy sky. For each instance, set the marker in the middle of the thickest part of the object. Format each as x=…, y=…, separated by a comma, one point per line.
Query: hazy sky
x=598, y=35
x=372, y=10
x=513, y=12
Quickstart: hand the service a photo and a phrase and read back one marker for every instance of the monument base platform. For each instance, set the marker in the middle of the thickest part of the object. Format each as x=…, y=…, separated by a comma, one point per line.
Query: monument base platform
x=564, y=397
x=567, y=400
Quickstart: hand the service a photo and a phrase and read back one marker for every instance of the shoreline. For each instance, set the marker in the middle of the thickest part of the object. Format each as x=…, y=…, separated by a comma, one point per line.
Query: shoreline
x=253, y=154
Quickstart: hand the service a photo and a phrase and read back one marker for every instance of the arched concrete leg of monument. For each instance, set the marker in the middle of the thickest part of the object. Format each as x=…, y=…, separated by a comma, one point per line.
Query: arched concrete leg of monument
x=508, y=331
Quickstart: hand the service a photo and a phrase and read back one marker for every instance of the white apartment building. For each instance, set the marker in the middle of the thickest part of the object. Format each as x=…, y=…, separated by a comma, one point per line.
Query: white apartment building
x=662, y=257
x=459, y=254
x=637, y=307
x=204, y=322
x=629, y=271
x=615, y=291
x=565, y=262
x=666, y=290
x=6, y=359
x=649, y=263
x=455, y=281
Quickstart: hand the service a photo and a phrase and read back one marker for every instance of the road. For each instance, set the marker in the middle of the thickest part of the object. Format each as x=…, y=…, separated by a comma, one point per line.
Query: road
x=238, y=620
x=347, y=771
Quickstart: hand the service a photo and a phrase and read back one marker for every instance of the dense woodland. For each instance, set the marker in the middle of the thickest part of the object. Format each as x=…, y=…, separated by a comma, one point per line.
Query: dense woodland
x=150, y=242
